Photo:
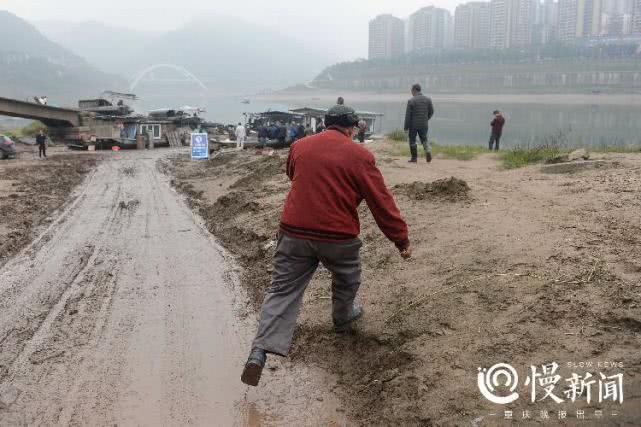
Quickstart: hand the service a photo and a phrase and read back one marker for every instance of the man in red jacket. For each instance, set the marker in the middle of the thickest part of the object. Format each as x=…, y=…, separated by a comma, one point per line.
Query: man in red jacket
x=330, y=177
x=497, y=129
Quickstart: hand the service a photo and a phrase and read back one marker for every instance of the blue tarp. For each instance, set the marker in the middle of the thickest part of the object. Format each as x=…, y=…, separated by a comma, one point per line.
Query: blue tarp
x=129, y=131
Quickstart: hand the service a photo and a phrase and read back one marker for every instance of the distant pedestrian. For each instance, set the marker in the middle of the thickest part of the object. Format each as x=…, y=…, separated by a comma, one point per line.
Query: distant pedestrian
x=41, y=141
x=497, y=130
x=340, y=101
x=241, y=136
x=263, y=134
x=291, y=133
x=300, y=131
x=320, y=126
x=273, y=130
x=308, y=130
x=419, y=111
x=282, y=133
x=362, y=128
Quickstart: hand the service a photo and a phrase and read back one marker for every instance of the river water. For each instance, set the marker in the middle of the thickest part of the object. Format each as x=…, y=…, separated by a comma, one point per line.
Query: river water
x=459, y=119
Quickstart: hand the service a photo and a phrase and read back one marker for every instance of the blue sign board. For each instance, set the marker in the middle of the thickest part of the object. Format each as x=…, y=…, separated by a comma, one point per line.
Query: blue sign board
x=199, y=146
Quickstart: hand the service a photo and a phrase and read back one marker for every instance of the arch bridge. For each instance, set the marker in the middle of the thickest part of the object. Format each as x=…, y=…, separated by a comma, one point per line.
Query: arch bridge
x=188, y=76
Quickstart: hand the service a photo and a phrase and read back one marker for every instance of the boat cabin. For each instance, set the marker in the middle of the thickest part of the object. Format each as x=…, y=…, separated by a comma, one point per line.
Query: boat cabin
x=312, y=116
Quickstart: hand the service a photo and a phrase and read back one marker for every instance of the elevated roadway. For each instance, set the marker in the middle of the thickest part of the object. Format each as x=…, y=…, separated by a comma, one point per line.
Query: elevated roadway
x=50, y=116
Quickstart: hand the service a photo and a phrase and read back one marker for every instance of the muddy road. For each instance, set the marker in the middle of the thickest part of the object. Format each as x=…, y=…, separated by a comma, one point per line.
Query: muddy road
x=31, y=189
x=124, y=311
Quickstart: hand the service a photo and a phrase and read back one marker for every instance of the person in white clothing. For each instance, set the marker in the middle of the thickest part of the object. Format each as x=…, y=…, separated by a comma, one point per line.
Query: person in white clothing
x=241, y=136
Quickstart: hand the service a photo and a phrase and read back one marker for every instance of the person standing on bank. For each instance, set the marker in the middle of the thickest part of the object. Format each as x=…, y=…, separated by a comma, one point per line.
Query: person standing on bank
x=419, y=111
x=362, y=128
x=41, y=141
x=241, y=135
x=330, y=177
x=497, y=130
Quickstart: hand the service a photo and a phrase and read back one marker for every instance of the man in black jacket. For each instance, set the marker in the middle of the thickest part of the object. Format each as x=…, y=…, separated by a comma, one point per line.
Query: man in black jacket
x=419, y=111
x=41, y=141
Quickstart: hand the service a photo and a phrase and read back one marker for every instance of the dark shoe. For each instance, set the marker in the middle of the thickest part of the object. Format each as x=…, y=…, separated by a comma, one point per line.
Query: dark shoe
x=254, y=367
x=413, y=153
x=411, y=161
x=346, y=326
x=428, y=157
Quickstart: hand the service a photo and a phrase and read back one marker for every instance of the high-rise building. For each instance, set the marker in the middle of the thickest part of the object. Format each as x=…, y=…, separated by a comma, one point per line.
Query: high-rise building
x=579, y=18
x=617, y=24
x=523, y=16
x=472, y=25
x=386, y=37
x=589, y=18
x=567, y=19
x=636, y=17
x=547, y=22
x=616, y=7
x=430, y=28
x=511, y=23
x=500, y=24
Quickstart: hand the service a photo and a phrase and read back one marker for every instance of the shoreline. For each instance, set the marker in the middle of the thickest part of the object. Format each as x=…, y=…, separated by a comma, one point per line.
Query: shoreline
x=325, y=96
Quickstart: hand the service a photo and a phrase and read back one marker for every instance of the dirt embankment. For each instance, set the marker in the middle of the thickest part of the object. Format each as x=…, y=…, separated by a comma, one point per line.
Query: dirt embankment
x=31, y=189
x=520, y=266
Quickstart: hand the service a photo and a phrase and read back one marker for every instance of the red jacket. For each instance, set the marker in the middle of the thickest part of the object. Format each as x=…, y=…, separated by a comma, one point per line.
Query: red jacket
x=330, y=177
x=497, y=124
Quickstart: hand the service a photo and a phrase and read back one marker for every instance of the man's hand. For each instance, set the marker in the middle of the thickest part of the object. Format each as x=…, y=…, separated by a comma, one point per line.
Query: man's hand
x=407, y=252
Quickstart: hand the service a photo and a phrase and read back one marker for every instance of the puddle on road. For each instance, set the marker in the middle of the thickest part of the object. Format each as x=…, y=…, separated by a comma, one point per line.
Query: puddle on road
x=249, y=415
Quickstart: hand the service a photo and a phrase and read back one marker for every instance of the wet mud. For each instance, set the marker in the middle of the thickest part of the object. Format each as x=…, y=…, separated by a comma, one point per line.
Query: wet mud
x=125, y=311
x=31, y=190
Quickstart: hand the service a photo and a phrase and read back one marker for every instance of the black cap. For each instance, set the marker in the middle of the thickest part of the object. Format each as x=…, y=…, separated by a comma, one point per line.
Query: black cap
x=341, y=115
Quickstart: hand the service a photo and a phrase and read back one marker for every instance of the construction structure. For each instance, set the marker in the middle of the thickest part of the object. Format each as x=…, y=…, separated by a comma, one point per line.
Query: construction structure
x=54, y=117
x=108, y=121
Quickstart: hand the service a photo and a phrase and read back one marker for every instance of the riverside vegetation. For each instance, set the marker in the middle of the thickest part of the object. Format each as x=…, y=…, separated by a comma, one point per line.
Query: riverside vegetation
x=544, y=150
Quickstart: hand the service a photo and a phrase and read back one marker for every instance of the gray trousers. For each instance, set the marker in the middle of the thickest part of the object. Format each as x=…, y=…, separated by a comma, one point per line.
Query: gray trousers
x=295, y=262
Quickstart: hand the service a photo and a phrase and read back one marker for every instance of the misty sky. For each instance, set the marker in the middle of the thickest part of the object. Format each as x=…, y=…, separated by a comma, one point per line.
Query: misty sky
x=340, y=24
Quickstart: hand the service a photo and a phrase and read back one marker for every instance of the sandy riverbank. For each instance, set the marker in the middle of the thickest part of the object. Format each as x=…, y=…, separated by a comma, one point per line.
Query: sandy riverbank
x=528, y=267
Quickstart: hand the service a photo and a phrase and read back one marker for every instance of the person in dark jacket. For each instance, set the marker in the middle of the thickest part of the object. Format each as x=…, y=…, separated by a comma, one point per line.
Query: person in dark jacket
x=320, y=126
x=362, y=128
x=263, y=135
x=41, y=141
x=419, y=111
x=497, y=130
x=282, y=133
x=300, y=131
x=330, y=178
x=273, y=131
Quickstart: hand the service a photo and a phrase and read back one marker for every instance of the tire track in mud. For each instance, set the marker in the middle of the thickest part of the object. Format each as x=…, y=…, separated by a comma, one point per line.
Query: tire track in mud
x=74, y=313
x=51, y=296
x=127, y=317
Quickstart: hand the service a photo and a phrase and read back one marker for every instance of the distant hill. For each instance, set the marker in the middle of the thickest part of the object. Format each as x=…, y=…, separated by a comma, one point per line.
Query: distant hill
x=31, y=64
x=230, y=54
x=109, y=48
x=227, y=54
